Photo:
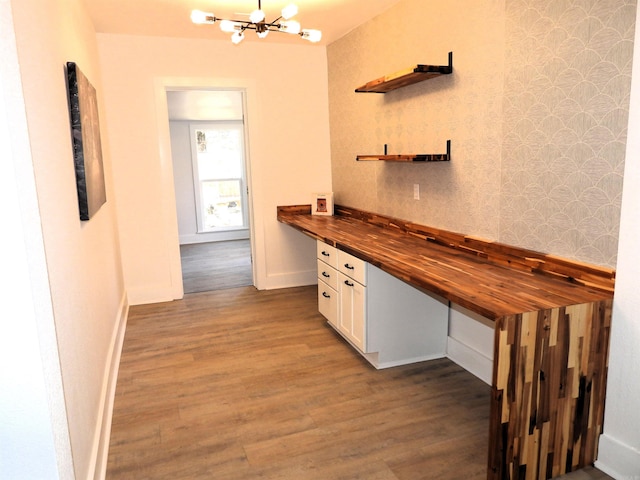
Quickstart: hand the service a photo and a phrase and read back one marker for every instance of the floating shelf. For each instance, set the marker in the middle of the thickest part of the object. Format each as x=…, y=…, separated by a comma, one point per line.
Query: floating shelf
x=409, y=76
x=421, y=157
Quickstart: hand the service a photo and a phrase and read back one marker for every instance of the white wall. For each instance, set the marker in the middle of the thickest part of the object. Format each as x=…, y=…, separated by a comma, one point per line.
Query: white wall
x=619, y=448
x=288, y=148
x=75, y=274
x=34, y=438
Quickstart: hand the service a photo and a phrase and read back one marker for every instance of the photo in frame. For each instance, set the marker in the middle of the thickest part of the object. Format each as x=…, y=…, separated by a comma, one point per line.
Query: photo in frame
x=87, y=148
x=322, y=204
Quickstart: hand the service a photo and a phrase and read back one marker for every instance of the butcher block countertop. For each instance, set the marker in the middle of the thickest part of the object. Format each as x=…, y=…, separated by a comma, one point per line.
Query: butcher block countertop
x=489, y=278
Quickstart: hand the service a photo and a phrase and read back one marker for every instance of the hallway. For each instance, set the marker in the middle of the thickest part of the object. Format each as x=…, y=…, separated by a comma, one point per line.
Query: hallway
x=216, y=265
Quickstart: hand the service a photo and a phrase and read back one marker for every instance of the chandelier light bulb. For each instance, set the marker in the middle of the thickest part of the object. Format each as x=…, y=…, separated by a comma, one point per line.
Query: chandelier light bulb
x=262, y=34
x=289, y=11
x=229, y=26
x=200, y=17
x=290, y=26
x=256, y=16
x=237, y=37
x=311, y=34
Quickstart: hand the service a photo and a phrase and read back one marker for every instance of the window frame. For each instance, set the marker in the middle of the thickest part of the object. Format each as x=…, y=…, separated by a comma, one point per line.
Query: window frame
x=198, y=181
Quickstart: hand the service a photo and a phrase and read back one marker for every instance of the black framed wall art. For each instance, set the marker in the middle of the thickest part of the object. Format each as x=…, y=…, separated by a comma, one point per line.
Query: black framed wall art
x=87, y=149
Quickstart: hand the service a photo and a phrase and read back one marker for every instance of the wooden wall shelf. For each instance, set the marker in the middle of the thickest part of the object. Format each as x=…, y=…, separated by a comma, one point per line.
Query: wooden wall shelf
x=404, y=78
x=420, y=157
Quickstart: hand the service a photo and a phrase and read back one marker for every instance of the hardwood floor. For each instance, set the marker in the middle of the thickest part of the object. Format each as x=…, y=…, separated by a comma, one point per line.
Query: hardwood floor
x=589, y=473
x=216, y=265
x=247, y=384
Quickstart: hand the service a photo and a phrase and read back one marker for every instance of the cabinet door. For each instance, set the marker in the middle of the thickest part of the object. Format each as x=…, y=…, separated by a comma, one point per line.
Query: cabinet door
x=328, y=303
x=352, y=316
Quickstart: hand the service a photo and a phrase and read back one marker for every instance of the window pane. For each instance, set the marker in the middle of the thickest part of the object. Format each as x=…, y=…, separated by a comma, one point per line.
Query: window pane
x=219, y=153
x=222, y=203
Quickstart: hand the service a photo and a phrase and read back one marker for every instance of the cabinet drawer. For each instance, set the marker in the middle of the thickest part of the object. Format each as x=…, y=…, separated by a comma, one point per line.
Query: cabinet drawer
x=328, y=303
x=327, y=274
x=352, y=267
x=327, y=254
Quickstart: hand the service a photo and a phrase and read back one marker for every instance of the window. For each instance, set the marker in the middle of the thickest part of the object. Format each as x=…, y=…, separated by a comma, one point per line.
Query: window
x=219, y=175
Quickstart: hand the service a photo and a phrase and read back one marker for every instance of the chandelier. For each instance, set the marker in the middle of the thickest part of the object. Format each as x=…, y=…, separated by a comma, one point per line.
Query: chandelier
x=257, y=22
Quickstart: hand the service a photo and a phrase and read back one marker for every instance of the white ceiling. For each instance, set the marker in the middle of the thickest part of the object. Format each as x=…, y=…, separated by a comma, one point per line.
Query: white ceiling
x=171, y=18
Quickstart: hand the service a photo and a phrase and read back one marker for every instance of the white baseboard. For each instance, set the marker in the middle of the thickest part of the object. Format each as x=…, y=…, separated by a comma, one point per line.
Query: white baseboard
x=152, y=294
x=293, y=279
x=373, y=360
x=471, y=360
x=214, y=237
x=617, y=459
x=100, y=450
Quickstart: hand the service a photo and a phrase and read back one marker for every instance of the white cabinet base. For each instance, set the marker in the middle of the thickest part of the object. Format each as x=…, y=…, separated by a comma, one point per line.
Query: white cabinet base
x=470, y=342
x=388, y=321
x=404, y=325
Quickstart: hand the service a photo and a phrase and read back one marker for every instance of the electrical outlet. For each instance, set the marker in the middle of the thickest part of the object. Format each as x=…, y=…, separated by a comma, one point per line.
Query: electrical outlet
x=416, y=191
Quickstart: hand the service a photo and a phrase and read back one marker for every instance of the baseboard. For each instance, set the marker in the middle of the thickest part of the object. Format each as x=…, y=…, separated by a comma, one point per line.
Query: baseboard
x=103, y=427
x=294, y=279
x=152, y=294
x=374, y=360
x=471, y=360
x=617, y=459
x=214, y=237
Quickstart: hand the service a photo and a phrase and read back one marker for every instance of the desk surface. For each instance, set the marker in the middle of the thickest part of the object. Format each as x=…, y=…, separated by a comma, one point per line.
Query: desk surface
x=471, y=280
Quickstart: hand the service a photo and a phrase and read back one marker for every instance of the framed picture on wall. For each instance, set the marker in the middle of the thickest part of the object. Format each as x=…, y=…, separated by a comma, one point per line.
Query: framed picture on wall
x=87, y=149
x=322, y=204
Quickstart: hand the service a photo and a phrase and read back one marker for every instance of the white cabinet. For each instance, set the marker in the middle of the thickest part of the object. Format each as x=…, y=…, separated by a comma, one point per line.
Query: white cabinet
x=387, y=320
x=328, y=283
x=404, y=324
x=328, y=303
x=327, y=254
x=352, y=298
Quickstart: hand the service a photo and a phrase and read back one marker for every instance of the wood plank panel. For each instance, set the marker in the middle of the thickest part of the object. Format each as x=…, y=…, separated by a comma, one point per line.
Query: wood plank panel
x=548, y=390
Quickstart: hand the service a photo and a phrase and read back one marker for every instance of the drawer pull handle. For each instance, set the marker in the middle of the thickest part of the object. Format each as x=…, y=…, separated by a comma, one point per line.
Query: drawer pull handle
x=348, y=283
x=325, y=295
x=326, y=254
x=350, y=267
x=326, y=275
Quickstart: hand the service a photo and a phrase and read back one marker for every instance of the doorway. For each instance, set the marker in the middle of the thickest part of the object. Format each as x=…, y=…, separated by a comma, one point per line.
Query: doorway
x=210, y=164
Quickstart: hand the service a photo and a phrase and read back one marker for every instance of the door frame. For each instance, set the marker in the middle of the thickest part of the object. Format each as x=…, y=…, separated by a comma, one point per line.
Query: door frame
x=168, y=202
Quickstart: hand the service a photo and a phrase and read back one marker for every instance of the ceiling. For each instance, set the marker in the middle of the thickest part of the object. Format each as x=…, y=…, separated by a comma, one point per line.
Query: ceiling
x=171, y=18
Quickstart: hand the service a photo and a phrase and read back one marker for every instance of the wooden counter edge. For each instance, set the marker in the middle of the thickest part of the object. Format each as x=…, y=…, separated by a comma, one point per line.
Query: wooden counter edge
x=518, y=258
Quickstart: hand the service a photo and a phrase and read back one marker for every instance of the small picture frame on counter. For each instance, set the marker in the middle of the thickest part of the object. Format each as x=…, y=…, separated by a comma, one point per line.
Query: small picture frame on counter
x=322, y=204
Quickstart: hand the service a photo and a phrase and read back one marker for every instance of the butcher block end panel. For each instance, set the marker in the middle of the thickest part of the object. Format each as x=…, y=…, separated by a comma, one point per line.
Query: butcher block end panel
x=548, y=390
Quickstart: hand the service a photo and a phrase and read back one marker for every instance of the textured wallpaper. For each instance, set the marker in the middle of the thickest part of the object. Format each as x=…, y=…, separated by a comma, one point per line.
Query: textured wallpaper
x=536, y=111
x=465, y=107
x=566, y=105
